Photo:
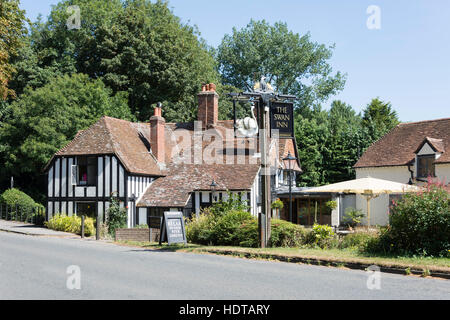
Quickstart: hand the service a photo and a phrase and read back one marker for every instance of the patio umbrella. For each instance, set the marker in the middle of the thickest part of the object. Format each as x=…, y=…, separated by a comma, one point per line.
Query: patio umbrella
x=368, y=187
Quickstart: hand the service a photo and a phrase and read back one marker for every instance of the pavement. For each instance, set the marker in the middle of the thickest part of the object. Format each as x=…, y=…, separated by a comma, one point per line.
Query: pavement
x=32, y=230
x=51, y=268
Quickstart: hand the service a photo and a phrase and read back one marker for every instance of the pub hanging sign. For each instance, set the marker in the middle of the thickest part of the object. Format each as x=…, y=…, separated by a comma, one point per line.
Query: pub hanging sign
x=282, y=119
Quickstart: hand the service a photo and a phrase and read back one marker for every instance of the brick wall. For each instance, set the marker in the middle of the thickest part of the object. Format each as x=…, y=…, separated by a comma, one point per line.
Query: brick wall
x=141, y=235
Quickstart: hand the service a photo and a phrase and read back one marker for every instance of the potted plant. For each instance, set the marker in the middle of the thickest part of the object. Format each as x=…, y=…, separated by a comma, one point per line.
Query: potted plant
x=352, y=217
x=277, y=205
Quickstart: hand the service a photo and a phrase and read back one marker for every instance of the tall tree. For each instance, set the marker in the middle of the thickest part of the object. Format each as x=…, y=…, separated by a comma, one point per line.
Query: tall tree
x=136, y=46
x=292, y=63
x=12, y=31
x=43, y=120
x=379, y=118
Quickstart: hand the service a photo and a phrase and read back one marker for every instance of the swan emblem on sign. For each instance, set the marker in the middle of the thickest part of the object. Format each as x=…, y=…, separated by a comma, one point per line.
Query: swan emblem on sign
x=247, y=127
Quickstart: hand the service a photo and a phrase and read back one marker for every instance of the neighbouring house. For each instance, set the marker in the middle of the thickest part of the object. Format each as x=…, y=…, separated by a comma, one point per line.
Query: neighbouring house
x=157, y=166
x=411, y=153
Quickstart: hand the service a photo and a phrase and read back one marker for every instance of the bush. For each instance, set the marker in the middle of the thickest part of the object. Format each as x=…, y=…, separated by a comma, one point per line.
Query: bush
x=248, y=234
x=224, y=229
x=116, y=217
x=322, y=236
x=14, y=197
x=357, y=240
x=199, y=228
x=234, y=202
x=286, y=234
x=71, y=224
x=418, y=224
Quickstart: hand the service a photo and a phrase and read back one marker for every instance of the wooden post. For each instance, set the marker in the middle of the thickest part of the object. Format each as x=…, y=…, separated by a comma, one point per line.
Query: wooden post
x=82, y=227
x=97, y=231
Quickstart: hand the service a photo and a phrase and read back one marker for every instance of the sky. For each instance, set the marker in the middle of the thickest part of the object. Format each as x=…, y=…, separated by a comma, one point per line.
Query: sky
x=403, y=60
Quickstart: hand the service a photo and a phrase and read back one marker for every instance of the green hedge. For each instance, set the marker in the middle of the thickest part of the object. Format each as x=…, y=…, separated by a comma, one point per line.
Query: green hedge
x=27, y=208
x=71, y=224
x=286, y=234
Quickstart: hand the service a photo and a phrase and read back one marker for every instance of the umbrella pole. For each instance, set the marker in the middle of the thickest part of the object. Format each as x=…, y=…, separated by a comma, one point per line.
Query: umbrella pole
x=368, y=211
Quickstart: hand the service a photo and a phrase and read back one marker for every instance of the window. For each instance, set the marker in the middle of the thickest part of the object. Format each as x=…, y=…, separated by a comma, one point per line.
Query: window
x=87, y=209
x=87, y=171
x=425, y=166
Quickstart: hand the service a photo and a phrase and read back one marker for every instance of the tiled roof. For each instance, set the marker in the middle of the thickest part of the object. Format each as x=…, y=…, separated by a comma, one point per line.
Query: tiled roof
x=127, y=140
x=130, y=143
x=398, y=147
x=174, y=189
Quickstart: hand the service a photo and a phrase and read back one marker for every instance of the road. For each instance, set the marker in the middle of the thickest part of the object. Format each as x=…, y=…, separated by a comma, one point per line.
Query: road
x=36, y=268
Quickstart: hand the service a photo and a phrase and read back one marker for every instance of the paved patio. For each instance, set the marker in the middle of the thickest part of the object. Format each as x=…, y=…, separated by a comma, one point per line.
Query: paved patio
x=32, y=230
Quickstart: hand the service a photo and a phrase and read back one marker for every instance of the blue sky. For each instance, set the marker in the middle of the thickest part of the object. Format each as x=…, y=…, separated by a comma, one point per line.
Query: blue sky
x=405, y=62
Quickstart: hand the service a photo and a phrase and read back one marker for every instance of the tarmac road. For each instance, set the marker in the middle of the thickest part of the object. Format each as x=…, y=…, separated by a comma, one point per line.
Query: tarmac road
x=37, y=268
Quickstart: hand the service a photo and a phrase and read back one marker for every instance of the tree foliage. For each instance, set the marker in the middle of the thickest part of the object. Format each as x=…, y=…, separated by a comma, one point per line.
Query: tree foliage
x=12, y=31
x=331, y=142
x=292, y=63
x=44, y=120
x=135, y=46
x=379, y=118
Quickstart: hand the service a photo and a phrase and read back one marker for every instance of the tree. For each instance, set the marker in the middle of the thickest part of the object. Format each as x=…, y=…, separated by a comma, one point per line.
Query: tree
x=379, y=118
x=285, y=58
x=135, y=46
x=12, y=30
x=330, y=143
x=44, y=120
x=311, y=136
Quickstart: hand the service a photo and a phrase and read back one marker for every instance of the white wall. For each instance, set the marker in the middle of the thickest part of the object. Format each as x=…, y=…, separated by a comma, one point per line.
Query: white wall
x=379, y=206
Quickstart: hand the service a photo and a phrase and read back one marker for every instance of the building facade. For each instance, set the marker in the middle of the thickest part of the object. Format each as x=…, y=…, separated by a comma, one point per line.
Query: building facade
x=157, y=166
x=411, y=153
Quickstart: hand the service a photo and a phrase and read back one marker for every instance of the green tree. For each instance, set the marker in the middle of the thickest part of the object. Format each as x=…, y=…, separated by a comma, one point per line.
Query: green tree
x=135, y=46
x=12, y=31
x=292, y=63
x=44, y=120
x=379, y=118
x=311, y=136
x=330, y=143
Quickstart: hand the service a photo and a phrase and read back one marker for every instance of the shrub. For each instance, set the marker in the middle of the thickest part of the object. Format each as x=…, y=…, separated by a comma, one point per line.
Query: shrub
x=322, y=236
x=199, y=228
x=247, y=234
x=71, y=224
x=357, y=240
x=418, y=224
x=224, y=231
x=14, y=197
x=286, y=234
x=234, y=202
x=116, y=217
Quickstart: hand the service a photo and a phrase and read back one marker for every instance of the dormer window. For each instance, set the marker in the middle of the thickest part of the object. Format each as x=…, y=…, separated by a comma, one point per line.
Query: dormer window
x=425, y=166
x=426, y=154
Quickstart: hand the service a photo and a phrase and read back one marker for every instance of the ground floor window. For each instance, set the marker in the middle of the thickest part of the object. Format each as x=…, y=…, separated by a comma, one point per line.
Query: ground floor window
x=307, y=211
x=88, y=209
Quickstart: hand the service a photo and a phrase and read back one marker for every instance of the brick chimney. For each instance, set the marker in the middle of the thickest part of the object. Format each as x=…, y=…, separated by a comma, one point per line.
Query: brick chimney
x=157, y=135
x=208, y=106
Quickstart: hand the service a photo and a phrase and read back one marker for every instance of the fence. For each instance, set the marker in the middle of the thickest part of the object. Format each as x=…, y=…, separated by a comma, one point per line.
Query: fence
x=34, y=215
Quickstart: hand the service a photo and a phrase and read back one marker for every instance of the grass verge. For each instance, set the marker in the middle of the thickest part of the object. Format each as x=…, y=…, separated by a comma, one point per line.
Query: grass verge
x=349, y=258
